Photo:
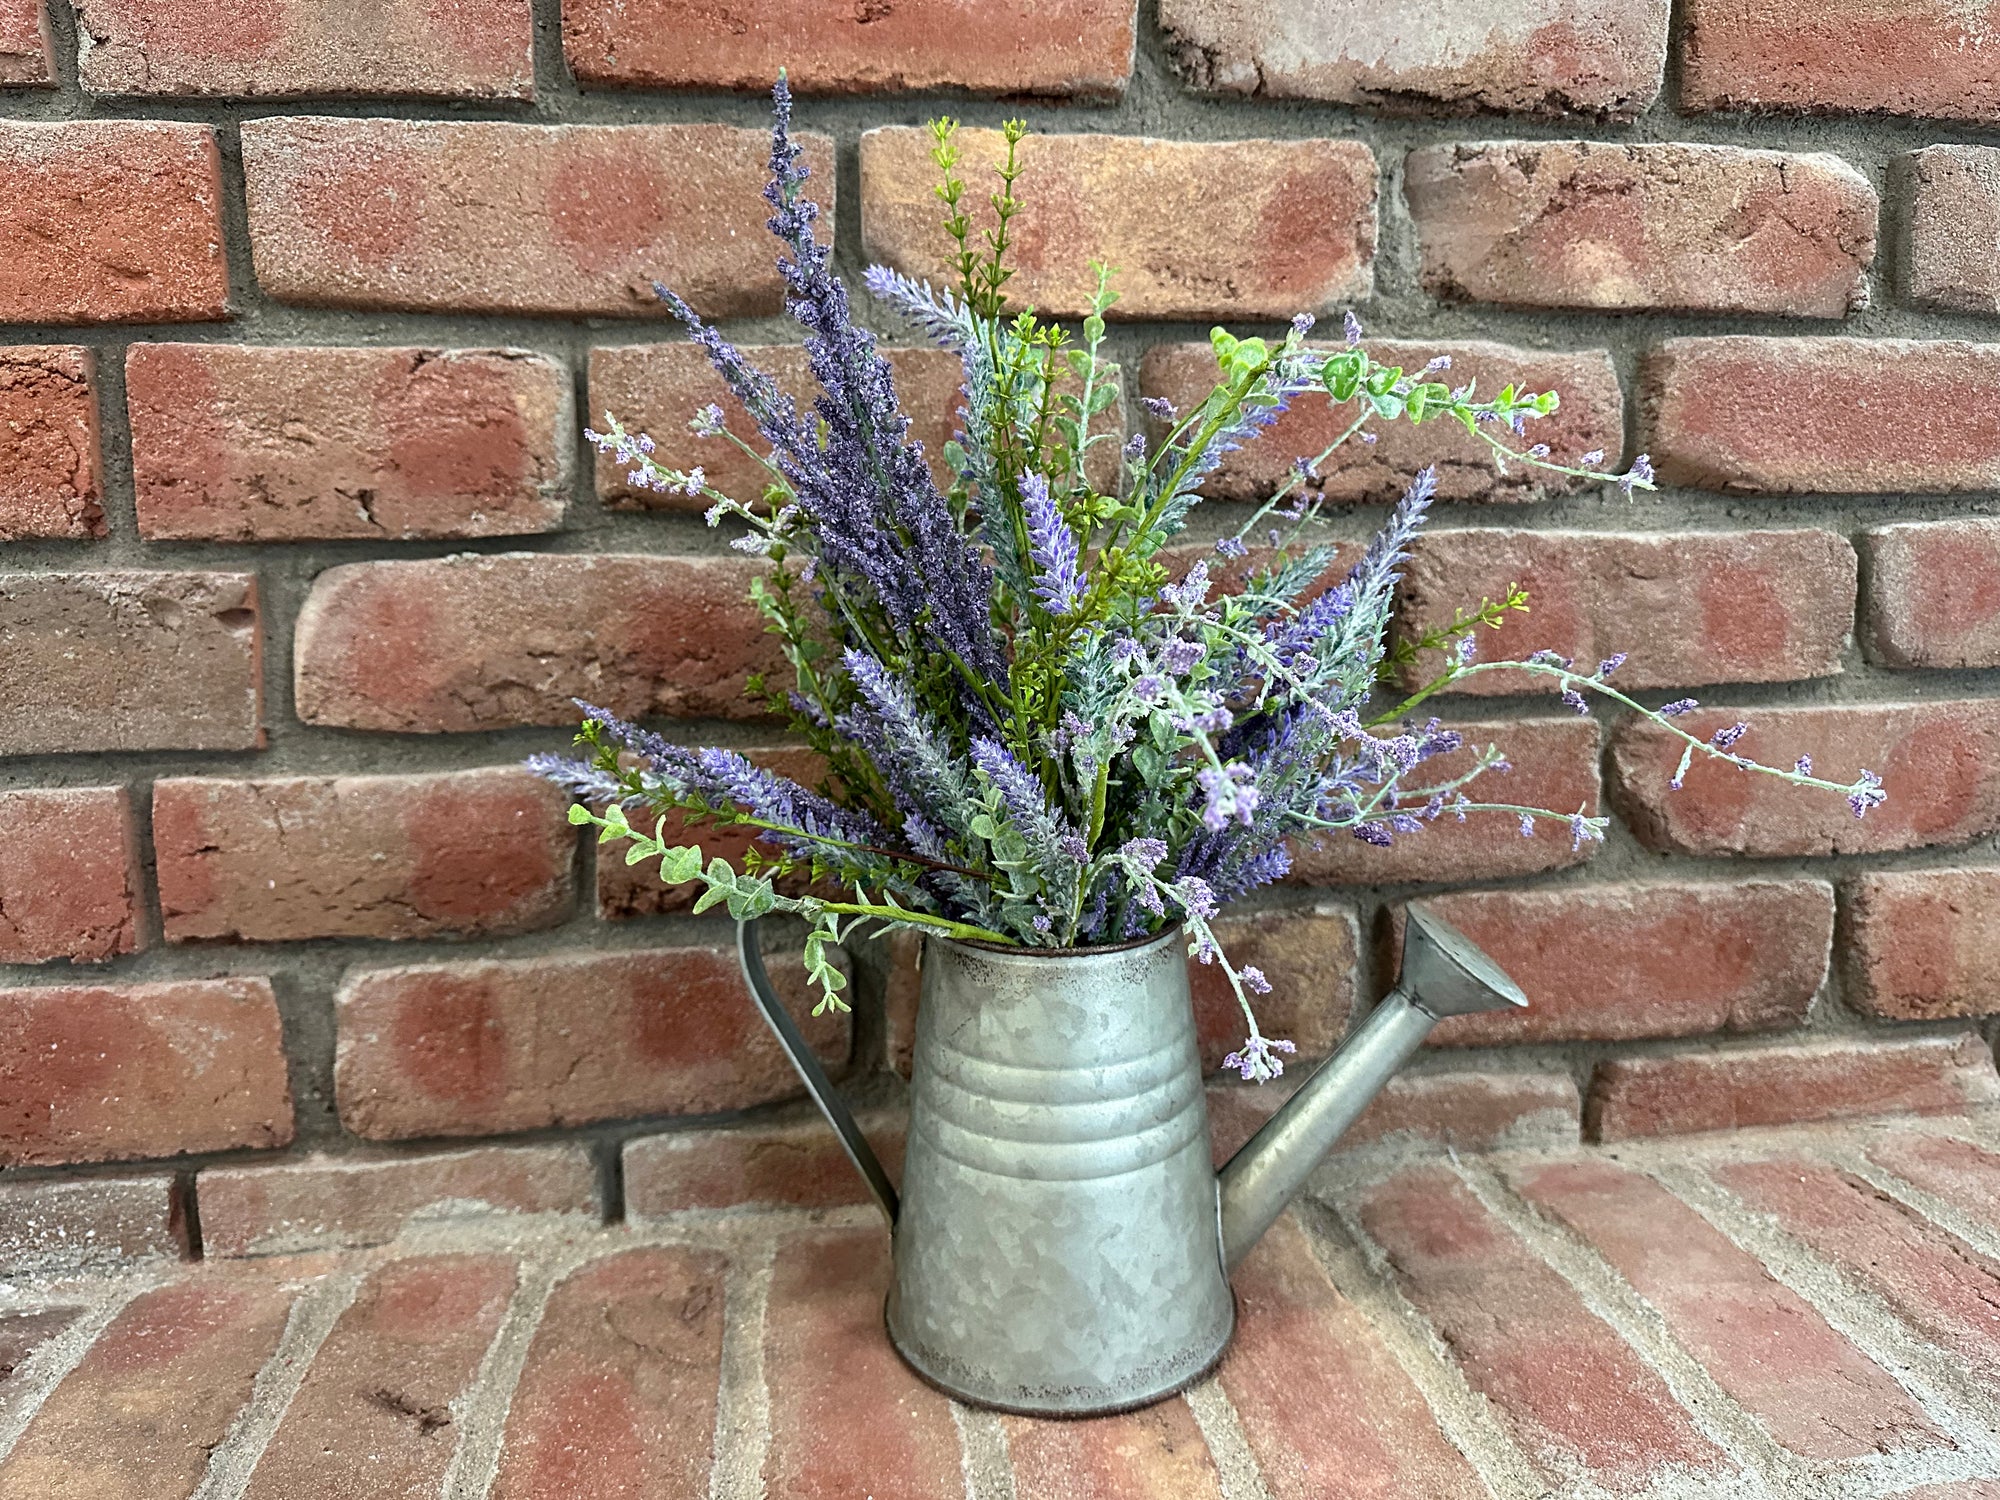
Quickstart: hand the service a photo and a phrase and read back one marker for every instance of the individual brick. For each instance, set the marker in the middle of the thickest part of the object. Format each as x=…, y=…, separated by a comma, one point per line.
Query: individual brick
x=93, y=1223
x=1679, y=1094
x=1079, y=49
x=1577, y=1399
x=27, y=56
x=1683, y=609
x=68, y=875
x=154, y=1396
x=1202, y=229
x=628, y=890
x=1939, y=1287
x=1781, y=416
x=1309, y=958
x=1813, y=1391
x=463, y=853
x=1923, y=945
x=481, y=642
x=657, y=388
x=379, y=1409
x=137, y=1070
x=1927, y=57
x=130, y=661
x=1939, y=763
x=878, y=1430
x=1592, y=416
x=519, y=1044
x=1157, y=1450
x=620, y=1386
x=1302, y=1350
x=235, y=443
x=483, y=217
x=293, y=49
x=348, y=1201
x=800, y=1165
x=1465, y=1109
x=1554, y=765
x=51, y=480
x=1952, y=227
x=1689, y=957
x=111, y=221
x=1549, y=57
x=1933, y=596
x=1664, y=226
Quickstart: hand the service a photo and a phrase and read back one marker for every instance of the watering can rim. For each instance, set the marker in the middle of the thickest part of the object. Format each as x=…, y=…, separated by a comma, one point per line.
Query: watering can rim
x=1089, y=950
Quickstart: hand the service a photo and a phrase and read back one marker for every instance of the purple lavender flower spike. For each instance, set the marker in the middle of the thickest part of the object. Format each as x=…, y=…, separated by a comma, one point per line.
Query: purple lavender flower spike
x=1725, y=739
x=1678, y=707
x=1351, y=326
x=1527, y=826
x=1052, y=547
x=1574, y=700
x=1610, y=664
x=1803, y=765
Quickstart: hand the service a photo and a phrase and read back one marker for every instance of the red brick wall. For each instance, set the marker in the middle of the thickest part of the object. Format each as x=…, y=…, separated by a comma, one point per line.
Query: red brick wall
x=301, y=549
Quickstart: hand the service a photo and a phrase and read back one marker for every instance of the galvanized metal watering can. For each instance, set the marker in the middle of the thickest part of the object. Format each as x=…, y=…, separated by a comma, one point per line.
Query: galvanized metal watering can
x=1062, y=1245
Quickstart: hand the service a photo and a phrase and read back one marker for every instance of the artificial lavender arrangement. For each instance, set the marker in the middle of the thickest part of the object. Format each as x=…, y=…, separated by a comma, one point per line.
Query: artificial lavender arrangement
x=1037, y=734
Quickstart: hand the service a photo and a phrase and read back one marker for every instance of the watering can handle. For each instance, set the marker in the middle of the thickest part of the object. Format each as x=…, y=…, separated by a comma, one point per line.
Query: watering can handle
x=811, y=1073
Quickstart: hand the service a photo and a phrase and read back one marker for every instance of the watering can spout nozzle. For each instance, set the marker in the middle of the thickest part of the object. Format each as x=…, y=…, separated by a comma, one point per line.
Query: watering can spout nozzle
x=1443, y=974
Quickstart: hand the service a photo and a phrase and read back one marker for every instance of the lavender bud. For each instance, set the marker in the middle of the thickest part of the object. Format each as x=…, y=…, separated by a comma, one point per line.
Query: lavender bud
x=1591, y=459
x=1678, y=707
x=1724, y=739
x=1610, y=664
x=1803, y=765
x=1527, y=826
x=1866, y=793
x=1158, y=407
x=1351, y=326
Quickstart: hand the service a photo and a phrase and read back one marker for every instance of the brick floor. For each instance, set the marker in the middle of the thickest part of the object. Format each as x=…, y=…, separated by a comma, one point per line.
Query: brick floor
x=1811, y=1313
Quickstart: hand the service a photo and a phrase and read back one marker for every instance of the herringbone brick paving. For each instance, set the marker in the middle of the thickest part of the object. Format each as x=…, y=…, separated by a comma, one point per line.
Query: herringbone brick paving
x=1780, y=1313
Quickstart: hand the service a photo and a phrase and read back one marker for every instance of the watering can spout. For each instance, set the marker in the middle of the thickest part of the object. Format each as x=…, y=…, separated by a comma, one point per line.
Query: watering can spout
x=1444, y=974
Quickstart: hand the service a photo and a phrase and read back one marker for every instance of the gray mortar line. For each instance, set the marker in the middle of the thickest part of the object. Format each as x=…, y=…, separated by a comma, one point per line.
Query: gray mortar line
x=1940, y=1211
x=1768, y=1468
x=983, y=1456
x=483, y=1408
x=1932, y=1380
x=311, y=1320
x=1360, y=1272
x=742, y=1400
x=37, y=1377
x=1222, y=1429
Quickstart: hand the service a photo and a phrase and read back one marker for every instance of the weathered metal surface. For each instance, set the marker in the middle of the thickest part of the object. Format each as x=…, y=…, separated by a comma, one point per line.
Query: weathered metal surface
x=1062, y=1243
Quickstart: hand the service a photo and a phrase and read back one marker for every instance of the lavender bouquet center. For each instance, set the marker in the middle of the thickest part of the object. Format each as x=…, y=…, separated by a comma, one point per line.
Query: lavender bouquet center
x=1037, y=733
